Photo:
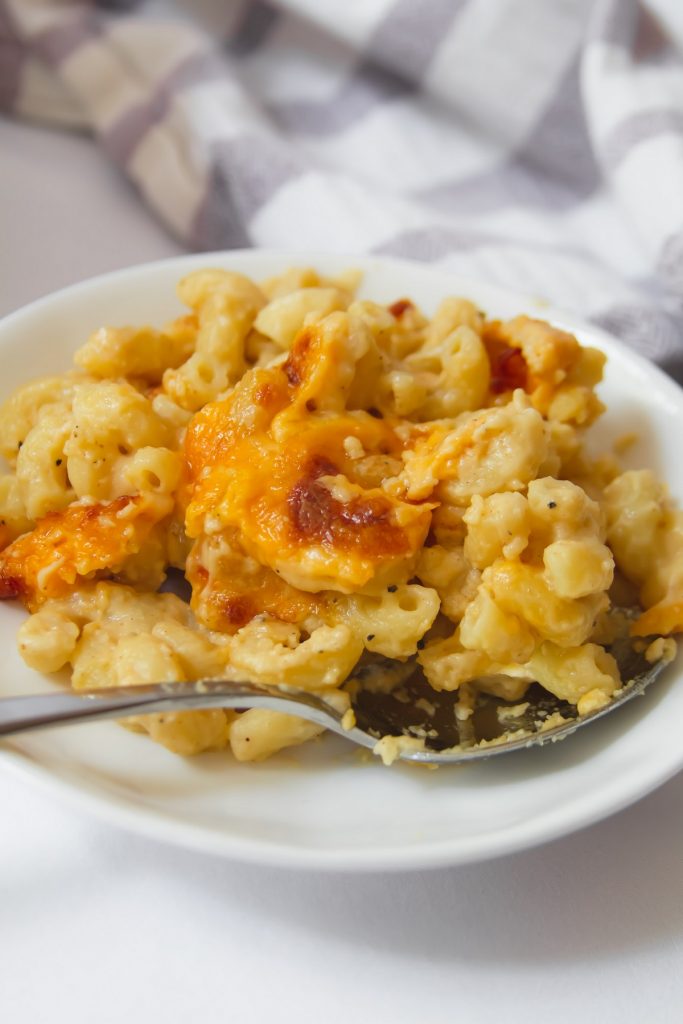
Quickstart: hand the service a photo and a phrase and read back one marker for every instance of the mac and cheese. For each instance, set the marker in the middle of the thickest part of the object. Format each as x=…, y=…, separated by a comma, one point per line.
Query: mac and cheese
x=338, y=480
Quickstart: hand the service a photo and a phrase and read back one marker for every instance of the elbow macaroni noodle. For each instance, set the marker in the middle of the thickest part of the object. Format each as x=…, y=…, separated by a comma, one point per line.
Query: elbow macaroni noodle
x=338, y=480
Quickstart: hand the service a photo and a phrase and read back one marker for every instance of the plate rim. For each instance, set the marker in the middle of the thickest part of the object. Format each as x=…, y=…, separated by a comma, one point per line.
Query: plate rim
x=161, y=827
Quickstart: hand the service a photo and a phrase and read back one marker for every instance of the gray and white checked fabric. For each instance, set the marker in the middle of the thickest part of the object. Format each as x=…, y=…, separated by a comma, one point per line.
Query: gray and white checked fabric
x=536, y=144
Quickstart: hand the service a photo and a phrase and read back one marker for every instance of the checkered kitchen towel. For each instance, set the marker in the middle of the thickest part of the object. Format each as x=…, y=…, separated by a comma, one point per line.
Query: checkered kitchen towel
x=531, y=143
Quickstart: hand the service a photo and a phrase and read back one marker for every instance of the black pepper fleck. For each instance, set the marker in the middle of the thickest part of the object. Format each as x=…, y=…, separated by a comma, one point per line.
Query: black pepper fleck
x=58, y=462
x=421, y=643
x=370, y=636
x=552, y=504
x=392, y=589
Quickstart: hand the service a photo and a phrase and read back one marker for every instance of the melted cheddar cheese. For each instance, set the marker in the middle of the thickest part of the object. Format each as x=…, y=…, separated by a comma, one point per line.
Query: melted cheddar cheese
x=74, y=544
x=271, y=464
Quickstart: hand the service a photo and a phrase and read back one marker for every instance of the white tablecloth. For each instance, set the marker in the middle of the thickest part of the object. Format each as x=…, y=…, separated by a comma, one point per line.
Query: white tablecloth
x=98, y=925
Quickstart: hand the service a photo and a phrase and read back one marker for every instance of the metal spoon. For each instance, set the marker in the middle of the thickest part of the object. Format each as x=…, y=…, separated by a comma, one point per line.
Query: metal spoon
x=411, y=709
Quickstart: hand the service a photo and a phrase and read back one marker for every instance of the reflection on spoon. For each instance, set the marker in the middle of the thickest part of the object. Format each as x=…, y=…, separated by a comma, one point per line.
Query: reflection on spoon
x=414, y=722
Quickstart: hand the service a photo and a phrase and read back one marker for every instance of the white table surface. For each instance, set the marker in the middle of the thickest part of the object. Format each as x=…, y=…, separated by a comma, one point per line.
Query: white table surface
x=100, y=926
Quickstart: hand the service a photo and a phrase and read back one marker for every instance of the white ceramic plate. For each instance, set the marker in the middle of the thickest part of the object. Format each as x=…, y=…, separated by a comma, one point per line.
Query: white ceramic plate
x=323, y=806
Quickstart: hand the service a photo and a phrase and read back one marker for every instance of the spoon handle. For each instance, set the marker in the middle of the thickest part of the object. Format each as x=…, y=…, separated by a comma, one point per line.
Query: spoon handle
x=39, y=711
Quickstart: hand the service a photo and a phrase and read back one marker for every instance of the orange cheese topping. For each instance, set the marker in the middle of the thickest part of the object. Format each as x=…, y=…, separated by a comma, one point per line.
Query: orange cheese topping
x=272, y=463
x=229, y=589
x=557, y=373
x=663, y=619
x=79, y=541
